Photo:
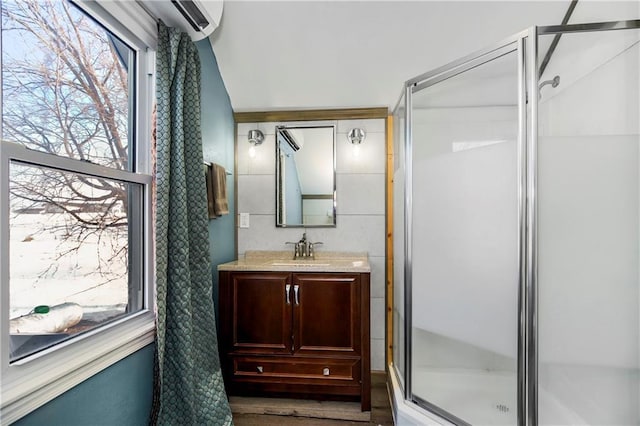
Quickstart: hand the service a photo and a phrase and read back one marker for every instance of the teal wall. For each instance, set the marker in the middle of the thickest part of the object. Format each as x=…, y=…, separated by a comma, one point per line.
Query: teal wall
x=218, y=129
x=121, y=394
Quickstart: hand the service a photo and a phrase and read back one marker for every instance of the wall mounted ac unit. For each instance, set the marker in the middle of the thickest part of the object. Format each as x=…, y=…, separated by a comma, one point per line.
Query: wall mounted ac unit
x=199, y=18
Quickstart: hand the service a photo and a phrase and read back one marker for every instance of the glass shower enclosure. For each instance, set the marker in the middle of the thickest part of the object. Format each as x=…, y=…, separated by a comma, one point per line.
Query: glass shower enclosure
x=517, y=232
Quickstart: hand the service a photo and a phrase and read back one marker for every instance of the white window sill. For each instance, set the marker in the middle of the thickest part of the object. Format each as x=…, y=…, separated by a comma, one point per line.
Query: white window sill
x=31, y=383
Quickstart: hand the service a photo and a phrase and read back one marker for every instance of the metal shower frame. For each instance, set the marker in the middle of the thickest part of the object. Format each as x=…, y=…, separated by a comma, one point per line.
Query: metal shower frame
x=525, y=44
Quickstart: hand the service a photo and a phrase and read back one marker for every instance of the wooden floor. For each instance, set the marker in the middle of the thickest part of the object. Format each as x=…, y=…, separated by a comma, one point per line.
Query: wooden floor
x=306, y=413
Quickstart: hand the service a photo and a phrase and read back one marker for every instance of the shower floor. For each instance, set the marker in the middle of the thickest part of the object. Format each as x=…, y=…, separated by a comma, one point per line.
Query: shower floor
x=482, y=397
x=475, y=396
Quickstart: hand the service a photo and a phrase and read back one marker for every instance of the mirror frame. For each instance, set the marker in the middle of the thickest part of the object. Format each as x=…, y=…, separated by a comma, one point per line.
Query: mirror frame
x=278, y=215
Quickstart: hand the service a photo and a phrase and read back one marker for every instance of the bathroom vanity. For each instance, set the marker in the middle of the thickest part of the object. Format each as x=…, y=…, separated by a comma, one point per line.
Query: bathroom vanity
x=296, y=328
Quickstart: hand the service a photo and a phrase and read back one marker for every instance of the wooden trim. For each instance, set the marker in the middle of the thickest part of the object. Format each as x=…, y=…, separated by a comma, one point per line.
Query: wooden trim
x=236, y=213
x=310, y=115
x=389, y=226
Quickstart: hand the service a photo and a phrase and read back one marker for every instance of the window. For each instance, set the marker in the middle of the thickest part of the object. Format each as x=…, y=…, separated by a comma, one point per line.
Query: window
x=74, y=241
x=75, y=189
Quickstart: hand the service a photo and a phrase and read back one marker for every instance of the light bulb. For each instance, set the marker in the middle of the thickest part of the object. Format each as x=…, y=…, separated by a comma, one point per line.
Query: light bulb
x=252, y=151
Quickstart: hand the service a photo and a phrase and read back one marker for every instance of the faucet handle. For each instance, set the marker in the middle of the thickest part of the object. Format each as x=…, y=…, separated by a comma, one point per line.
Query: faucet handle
x=296, y=250
x=312, y=253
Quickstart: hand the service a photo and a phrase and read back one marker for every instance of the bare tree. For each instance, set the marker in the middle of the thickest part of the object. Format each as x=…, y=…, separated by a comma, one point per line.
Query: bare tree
x=67, y=95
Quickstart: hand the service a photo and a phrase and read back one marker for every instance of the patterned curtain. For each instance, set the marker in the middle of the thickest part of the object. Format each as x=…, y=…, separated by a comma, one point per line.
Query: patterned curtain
x=188, y=389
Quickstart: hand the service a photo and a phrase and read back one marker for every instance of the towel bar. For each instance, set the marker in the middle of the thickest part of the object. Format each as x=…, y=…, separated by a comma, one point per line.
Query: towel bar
x=228, y=173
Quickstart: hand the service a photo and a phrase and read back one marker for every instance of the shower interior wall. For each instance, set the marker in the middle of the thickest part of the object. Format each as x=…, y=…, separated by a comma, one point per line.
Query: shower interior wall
x=588, y=188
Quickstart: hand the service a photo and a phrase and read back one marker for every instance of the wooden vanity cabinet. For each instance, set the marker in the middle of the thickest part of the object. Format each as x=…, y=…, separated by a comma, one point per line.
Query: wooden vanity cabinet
x=296, y=334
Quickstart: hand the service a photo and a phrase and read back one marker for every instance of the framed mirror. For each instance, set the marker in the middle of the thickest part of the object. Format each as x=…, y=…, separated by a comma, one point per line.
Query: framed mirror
x=305, y=176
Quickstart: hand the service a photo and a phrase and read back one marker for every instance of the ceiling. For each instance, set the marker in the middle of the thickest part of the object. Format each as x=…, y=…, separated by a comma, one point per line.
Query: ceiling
x=276, y=55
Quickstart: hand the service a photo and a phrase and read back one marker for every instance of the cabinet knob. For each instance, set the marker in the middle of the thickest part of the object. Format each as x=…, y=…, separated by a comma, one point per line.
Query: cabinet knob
x=325, y=371
x=260, y=369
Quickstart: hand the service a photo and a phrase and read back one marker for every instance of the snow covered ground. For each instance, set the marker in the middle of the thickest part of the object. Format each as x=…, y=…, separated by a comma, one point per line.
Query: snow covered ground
x=39, y=276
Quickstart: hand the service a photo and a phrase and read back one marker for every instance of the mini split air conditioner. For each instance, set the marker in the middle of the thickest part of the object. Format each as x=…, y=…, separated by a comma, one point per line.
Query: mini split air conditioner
x=199, y=18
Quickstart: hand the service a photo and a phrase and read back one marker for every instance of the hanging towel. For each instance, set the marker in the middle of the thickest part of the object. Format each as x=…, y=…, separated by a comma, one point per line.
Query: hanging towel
x=219, y=186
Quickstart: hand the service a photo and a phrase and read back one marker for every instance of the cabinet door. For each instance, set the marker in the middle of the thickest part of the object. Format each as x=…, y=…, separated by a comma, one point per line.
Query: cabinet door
x=261, y=312
x=326, y=314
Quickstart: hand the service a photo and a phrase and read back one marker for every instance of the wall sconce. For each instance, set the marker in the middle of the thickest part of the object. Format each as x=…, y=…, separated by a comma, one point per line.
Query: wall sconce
x=356, y=137
x=255, y=138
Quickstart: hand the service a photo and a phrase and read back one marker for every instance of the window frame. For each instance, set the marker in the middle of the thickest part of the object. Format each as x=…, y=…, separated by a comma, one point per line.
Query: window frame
x=28, y=383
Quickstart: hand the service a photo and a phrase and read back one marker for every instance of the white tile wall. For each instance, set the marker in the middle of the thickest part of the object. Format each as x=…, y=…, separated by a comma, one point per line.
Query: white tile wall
x=261, y=199
x=377, y=318
x=355, y=196
x=369, y=125
x=243, y=128
x=262, y=163
x=263, y=234
x=378, y=281
x=371, y=157
x=360, y=183
x=377, y=354
x=353, y=233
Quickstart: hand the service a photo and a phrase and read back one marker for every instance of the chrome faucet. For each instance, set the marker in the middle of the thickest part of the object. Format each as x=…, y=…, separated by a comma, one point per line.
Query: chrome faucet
x=304, y=249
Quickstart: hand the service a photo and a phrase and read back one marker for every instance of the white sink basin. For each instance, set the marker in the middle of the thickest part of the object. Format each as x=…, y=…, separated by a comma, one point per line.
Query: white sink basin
x=298, y=263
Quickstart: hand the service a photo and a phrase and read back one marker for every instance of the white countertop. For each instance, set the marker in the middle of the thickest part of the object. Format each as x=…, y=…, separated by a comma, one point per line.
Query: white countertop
x=263, y=260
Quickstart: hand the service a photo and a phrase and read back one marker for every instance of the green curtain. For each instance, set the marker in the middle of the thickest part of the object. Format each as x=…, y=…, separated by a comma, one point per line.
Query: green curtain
x=189, y=389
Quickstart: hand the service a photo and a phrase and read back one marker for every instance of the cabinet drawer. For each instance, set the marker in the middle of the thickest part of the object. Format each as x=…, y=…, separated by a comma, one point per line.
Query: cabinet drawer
x=297, y=368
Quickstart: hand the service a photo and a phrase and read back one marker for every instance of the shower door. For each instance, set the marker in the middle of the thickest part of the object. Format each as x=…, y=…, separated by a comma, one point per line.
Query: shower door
x=464, y=237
